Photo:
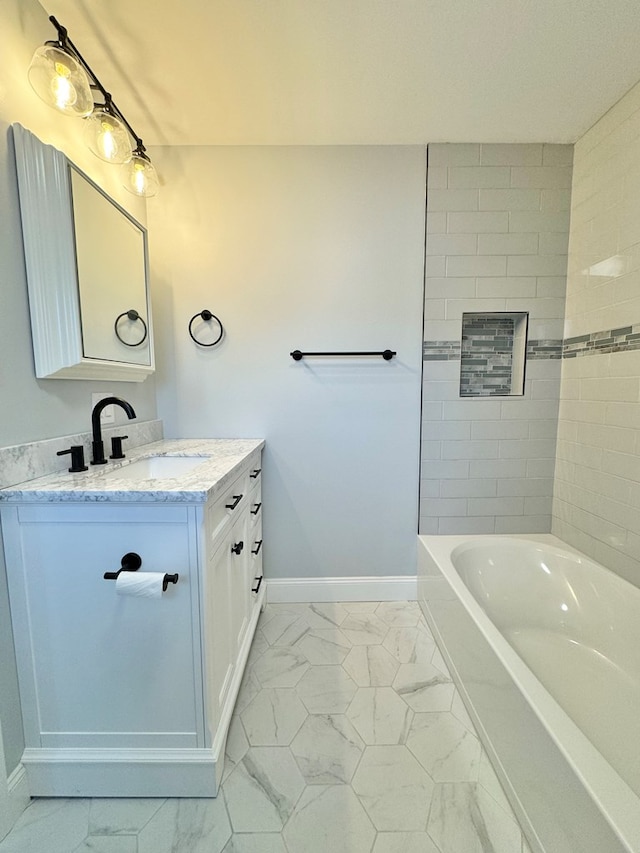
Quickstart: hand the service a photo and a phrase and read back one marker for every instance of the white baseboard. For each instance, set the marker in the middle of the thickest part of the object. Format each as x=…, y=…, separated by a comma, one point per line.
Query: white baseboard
x=121, y=772
x=390, y=588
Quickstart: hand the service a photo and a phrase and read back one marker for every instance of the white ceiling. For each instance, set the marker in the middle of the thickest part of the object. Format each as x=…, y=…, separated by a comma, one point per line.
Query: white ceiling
x=297, y=72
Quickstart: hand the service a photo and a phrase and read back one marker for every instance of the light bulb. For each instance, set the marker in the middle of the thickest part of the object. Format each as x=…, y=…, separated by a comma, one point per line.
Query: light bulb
x=60, y=81
x=107, y=137
x=63, y=91
x=140, y=176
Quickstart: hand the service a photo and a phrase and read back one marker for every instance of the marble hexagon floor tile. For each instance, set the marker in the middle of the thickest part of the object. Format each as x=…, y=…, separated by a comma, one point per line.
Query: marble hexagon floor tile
x=371, y=666
x=439, y=662
x=394, y=789
x=360, y=606
x=490, y=782
x=280, y=667
x=57, y=825
x=258, y=647
x=329, y=818
x=324, y=646
x=423, y=687
x=326, y=690
x=286, y=629
x=447, y=750
x=458, y=710
x=363, y=629
x=465, y=817
x=404, y=842
x=249, y=687
x=399, y=613
x=108, y=844
x=199, y=826
x=273, y=717
x=380, y=715
x=327, y=749
x=121, y=816
x=255, y=842
x=237, y=745
x=330, y=774
x=327, y=615
x=410, y=645
x=262, y=790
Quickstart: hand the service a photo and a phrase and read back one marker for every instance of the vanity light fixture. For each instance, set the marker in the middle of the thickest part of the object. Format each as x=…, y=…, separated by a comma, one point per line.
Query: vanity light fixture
x=107, y=136
x=140, y=176
x=60, y=80
x=61, y=77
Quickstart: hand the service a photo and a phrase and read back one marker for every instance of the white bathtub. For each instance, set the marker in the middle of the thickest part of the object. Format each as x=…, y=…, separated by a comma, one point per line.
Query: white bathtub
x=545, y=647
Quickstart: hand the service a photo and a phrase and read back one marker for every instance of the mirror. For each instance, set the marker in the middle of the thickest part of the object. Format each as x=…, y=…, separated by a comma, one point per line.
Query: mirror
x=87, y=271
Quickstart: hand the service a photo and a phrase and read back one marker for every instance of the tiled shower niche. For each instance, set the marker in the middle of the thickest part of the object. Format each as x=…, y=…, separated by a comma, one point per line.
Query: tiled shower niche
x=492, y=354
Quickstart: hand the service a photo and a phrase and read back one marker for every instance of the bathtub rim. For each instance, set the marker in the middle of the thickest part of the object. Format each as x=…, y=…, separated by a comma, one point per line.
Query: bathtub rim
x=617, y=802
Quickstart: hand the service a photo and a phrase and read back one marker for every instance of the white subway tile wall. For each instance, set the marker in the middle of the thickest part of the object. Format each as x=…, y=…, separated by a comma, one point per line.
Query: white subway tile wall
x=497, y=233
x=596, y=504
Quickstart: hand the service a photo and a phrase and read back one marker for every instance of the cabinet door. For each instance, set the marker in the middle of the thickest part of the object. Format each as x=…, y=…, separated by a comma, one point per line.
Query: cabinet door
x=102, y=669
x=216, y=624
x=238, y=578
x=254, y=567
x=225, y=615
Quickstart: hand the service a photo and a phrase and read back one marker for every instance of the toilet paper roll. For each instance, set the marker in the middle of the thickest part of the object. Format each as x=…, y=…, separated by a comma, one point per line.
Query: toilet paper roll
x=140, y=584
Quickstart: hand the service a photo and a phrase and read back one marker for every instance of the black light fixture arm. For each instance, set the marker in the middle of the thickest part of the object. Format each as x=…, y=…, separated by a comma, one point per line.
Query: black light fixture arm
x=109, y=104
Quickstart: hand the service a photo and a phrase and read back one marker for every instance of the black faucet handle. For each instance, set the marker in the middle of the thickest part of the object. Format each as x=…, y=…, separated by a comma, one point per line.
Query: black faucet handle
x=77, y=458
x=116, y=446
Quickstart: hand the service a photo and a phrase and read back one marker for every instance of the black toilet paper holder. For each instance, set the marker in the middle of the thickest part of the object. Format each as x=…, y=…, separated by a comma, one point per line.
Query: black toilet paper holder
x=131, y=562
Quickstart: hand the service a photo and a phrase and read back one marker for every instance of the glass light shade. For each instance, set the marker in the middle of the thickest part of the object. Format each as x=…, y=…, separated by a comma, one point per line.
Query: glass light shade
x=107, y=137
x=60, y=80
x=140, y=176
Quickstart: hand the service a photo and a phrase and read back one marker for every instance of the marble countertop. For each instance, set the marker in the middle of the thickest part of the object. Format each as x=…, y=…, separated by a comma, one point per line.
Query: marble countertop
x=221, y=460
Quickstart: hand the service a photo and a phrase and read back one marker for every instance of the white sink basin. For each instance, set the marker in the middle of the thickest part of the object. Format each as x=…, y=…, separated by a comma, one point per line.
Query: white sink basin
x=157, y=467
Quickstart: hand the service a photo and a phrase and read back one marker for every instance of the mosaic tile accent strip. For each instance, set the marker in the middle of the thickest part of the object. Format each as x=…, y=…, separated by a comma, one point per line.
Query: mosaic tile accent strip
x=544, y=348
x=441, y=350
x=486, y=356
x=624, y=339
x=450, y=350
x=611, y=340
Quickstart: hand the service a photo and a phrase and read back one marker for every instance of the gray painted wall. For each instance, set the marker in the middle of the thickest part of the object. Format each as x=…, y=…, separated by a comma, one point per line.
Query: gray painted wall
x=316, y=248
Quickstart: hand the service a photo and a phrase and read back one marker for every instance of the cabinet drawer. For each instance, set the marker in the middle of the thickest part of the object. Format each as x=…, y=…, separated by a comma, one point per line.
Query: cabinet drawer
x=229, y=506
x=255, y=470
x=255, y=505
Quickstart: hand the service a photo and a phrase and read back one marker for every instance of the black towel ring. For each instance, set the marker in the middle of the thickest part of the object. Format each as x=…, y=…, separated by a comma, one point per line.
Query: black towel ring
x=132, y=315
x=207, y=316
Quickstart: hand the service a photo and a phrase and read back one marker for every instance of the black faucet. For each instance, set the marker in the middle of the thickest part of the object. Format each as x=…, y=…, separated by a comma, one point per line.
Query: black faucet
x=98, y=445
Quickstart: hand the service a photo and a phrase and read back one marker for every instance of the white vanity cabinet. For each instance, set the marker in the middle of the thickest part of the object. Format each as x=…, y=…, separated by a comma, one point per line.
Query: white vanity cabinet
x=122, y=695
x=229, y=596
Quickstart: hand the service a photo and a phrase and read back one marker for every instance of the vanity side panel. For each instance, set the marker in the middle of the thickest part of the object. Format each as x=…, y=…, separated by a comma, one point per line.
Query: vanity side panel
x=98, y=669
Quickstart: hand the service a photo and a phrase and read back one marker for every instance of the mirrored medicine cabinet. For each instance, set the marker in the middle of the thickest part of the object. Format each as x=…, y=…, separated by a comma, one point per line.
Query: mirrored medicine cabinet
x=87, y=271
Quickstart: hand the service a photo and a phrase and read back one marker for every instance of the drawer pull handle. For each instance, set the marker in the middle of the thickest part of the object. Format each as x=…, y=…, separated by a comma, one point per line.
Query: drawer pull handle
x=256, y=510
x=257, y=586
x=256, y=550
x=255, y=473
x=234, y=503
x=237, y=548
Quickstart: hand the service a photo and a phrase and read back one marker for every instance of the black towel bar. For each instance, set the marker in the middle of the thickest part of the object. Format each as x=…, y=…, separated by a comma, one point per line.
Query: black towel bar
x=387, y=354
